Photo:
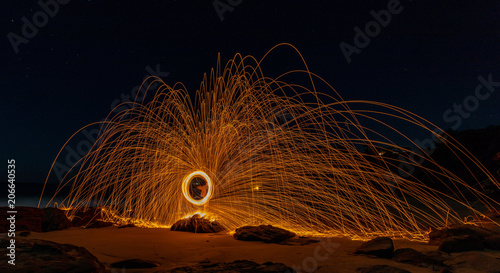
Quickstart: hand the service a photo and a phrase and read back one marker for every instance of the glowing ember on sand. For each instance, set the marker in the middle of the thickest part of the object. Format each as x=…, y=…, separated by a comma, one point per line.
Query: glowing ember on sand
x=252, y=150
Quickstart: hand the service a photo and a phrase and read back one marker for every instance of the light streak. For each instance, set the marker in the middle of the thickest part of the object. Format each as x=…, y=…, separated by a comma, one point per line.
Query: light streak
x=186, y=185
x=271, y=152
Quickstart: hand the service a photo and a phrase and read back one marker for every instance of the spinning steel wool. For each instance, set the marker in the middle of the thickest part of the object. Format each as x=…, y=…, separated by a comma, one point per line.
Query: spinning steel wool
x=252, y=149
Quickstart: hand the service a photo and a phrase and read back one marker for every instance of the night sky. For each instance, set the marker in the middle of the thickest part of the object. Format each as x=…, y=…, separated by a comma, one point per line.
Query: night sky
x=86, y=55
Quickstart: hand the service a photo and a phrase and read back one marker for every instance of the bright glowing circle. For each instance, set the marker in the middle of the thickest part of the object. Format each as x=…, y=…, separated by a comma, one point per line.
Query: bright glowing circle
x=186, y=187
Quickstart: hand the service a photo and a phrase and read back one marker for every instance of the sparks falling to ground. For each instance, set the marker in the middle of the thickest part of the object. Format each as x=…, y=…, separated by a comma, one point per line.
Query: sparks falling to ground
x=251, y=149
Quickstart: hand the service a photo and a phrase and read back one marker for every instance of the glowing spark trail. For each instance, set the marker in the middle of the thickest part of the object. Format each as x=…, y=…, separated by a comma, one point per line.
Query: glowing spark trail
x=206, y=190
x=254, y=149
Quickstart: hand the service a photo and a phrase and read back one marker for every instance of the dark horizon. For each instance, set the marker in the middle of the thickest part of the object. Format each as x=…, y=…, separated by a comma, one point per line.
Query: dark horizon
x=437, y=60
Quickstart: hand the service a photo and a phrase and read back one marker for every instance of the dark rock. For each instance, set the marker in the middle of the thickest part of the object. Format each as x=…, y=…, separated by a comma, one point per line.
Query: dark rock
x=411, y=256
x=380, y=247
x=54, y=219
x=50, y=219
x=26, y=219
x=37, y=220
x=235, y=266
x=265, y=233
x=381, y=269
x=488, y=238
x=492, y=242
x=49, y=257
x=474, y=262
x=437, y=236
x=461, y=243
x=134, y=264
x=197, y=224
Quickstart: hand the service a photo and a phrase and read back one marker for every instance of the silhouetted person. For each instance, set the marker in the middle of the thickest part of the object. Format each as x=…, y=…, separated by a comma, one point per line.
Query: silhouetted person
x=203, y=190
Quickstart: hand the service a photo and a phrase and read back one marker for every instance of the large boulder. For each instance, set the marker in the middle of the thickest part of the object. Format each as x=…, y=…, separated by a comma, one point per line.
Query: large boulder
x=54, y=219
x=235, y=266
x=470, y=262
x=437, y=236
x=50, y=219
x=265, y=233
x=26, y=219
x=38, y=220
x=414, y=257
x=460, y=238
x=380, y=247
x=48, y=257
x=461, y=243
x=197, y=224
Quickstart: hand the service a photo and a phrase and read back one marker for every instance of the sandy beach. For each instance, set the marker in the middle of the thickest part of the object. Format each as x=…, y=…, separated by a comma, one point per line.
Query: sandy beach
x=175, y=249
